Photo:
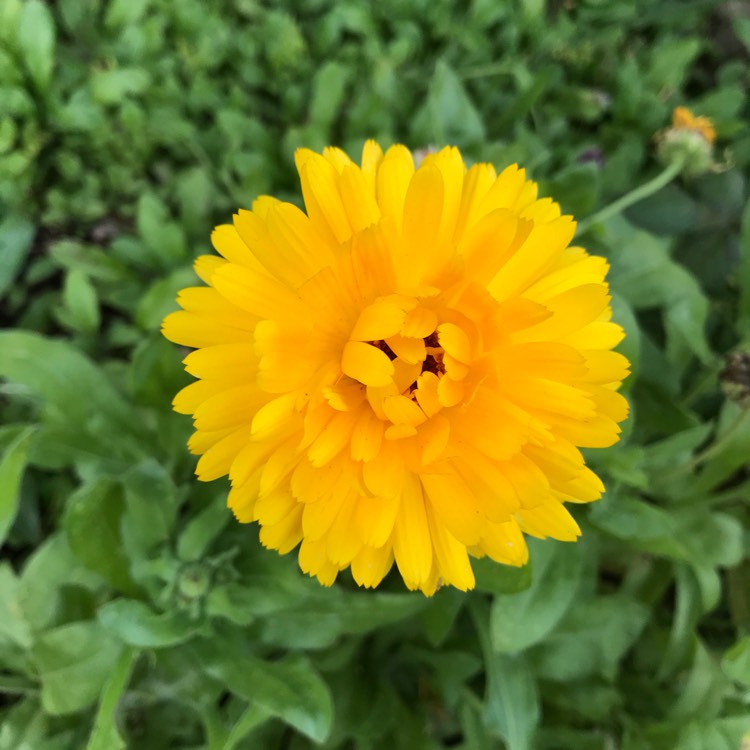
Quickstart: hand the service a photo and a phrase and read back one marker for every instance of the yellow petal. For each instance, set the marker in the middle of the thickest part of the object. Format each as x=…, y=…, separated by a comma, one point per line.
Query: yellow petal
x=450, y=555
x=371, y=565
x=392, y=182
x=454, y=505
x=412, y=544
x=378, y=321
x=366, y=364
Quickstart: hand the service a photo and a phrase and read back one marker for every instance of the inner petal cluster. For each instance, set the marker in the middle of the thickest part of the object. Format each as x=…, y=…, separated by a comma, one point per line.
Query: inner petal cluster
x=406, y=371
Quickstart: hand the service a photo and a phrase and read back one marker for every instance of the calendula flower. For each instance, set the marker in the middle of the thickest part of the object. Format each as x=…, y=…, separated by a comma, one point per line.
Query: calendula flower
x=689, y=141
x=684, y=119
x=405, y=371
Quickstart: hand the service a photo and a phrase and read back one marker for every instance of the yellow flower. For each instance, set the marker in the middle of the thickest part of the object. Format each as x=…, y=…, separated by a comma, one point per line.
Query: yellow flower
x=684, y=119
x=404, y=372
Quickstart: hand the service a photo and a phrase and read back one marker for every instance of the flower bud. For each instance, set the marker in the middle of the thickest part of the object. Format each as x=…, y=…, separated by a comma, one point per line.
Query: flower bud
x=690, y=139
x=735, y=378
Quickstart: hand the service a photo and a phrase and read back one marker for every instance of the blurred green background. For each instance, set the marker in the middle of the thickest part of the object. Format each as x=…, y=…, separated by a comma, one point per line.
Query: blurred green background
x=133, y=611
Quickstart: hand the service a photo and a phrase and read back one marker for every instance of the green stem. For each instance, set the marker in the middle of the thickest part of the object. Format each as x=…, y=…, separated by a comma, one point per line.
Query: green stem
x=721, y=443
x=634, y=196
x=716, y=447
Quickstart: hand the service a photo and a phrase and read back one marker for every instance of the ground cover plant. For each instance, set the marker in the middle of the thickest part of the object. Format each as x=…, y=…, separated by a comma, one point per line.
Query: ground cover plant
x=135, y=611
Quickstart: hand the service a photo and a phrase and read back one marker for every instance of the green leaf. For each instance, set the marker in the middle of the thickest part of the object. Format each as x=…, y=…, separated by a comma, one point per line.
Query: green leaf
x=501, y=579
x=92, y=523
x=36, y=40
x=74, y=662
x=104, y=735
x=702, y=692
x=136, y=624
x=512, y=702
x=160, y=232
x=329, y=86
x=74, y=391
x=12, y=466
x=743, y=312
x=647, y=277
x=14, y=627
x=289, y=688
x=518, y=621
x=203, y=529
x=736, y=661
x=591, y=639
x=81, y=302
x=16, y=236
x=24, y=726
x=51, y=567
x=161, y=298
x=151, y=508
x=124, y=12
x=626, y=517
x=448, y=115
x=112, y=86
x=318, y=620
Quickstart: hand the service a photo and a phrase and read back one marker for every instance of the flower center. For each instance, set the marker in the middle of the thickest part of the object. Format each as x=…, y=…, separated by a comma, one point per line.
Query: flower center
x=434, y=360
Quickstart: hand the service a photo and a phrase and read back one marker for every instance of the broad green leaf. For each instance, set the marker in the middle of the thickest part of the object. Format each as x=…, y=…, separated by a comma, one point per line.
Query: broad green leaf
x=73, y=390
x=289, y=688
x=160, y=232
x=251, y=718
x=670, y=61
x=448, y=116
x=95, y=263
x=702, y=692
x=644, y=274
x=501, y=579
x=318, y=620
x=92, y=524
x=81, y=302
x=112, y=86
x=105, y=735
x=14, y=628
x=512, y=700
x=161, y=298
x=591, y=639
x=518, y=621
x=197, y=536
x=24, y=726
x=51, y=567
x=329, y=85
x=231, y=601
x=440, y=614
x=151, y=504
x=12, y=466
x=74, y=662
x=729, y=733
x=626, y=517
x=36, y=39
x=736, y=661
x=124, y=12
x=16, y=235
x=136, y=624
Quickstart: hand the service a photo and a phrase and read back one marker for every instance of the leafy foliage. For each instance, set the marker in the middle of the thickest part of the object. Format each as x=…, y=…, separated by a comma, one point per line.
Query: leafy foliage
x=133, y=612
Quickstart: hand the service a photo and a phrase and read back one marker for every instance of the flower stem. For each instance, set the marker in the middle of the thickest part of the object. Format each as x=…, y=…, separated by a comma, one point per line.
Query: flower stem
x=716, y=447
x=720, y=442
x=634, y=196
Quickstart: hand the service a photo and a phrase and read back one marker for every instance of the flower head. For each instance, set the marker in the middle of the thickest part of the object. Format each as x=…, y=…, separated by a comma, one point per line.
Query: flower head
x=684, y=119
x=406, y=371
x=690, y=139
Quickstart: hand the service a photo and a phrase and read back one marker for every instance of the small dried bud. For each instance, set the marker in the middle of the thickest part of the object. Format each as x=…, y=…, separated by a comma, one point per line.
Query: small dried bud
x=690, y=139
x=735, y=378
